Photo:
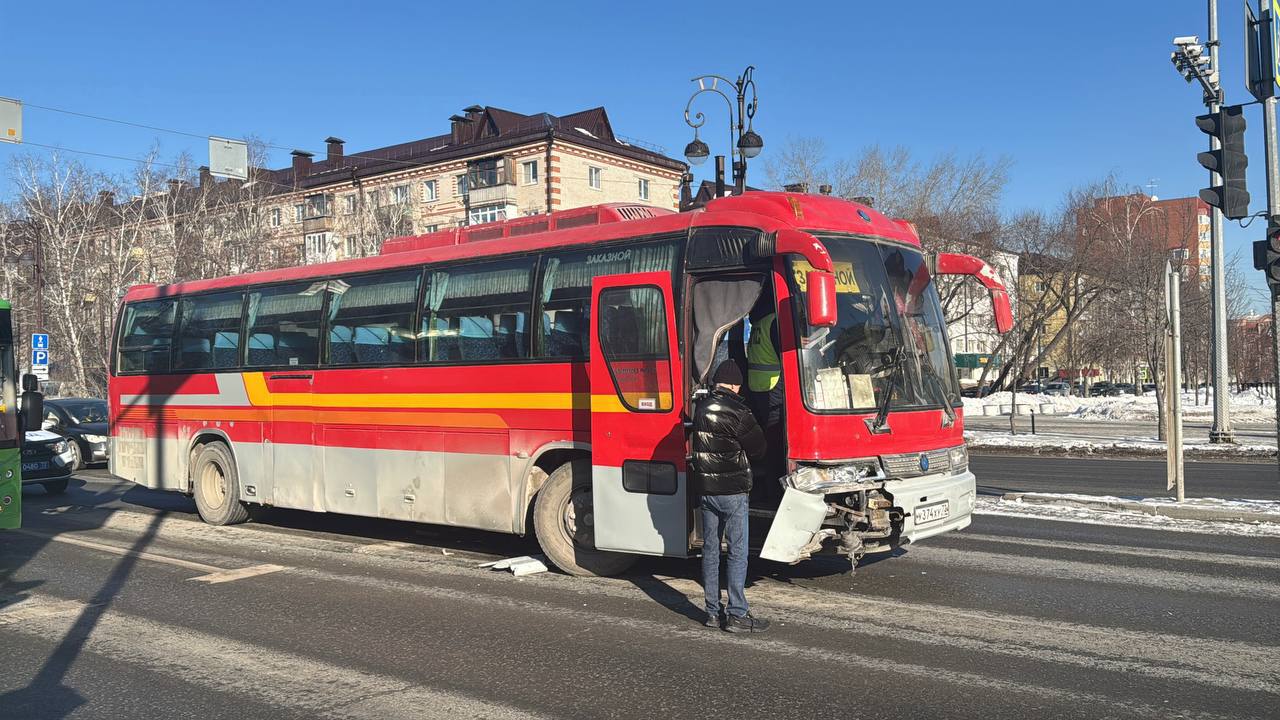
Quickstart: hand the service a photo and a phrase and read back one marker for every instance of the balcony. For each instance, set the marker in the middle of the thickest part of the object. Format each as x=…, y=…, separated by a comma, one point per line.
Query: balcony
x=490, y=181
x=318, y=223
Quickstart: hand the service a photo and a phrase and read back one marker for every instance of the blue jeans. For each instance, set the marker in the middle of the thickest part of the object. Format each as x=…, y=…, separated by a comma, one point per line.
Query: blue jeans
x=725, y=516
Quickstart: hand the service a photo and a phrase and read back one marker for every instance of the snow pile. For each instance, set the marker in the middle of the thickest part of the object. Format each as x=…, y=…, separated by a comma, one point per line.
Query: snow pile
x=1076, y=445
x=1248, y=406
x=1127, y=518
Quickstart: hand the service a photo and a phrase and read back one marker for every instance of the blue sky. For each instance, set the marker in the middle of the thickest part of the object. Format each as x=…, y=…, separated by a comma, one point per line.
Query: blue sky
x=1070, y=91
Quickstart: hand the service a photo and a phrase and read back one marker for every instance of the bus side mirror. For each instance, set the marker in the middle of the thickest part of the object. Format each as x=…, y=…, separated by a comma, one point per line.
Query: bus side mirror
x=956, y=264
x=32, y=403
x=820, y=296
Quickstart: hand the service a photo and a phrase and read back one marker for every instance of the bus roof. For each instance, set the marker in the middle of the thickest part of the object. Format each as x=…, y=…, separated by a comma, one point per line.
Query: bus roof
x=768, y=211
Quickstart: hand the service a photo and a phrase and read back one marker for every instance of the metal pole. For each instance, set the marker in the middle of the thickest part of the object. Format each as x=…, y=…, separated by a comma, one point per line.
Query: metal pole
x=1220, y=432
x=1175, y=380
x=1273, y=210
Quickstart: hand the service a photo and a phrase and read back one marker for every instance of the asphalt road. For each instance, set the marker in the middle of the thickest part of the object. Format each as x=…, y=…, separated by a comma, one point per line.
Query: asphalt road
x=998, y=474
x=118, y=603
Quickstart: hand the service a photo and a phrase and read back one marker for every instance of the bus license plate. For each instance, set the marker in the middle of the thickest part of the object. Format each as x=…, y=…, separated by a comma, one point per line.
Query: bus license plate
x=34, y=466
x=934, y=512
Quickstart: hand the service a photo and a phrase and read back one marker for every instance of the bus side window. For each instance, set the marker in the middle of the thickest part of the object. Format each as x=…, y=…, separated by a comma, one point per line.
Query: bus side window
x=633, y=340
x=284, y=325
x=371, y=318
x=477, y=313
x=209, y=331
x=146, y=337
x=564, y=300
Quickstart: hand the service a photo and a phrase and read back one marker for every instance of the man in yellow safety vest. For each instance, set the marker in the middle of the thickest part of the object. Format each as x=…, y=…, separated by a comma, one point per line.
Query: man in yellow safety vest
x=764, y=372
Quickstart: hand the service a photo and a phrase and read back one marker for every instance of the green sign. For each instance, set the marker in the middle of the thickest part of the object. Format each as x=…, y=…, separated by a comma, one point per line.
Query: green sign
x=974, y=361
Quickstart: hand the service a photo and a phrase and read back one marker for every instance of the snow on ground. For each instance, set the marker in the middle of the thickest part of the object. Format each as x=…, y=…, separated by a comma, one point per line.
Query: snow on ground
x=1121, y=445
x=988, y=505
x=1248, y=406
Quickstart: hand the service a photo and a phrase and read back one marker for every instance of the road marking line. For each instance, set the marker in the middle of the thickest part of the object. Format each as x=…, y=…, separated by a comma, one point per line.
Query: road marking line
x=33, y=608
x=126, y=552
x=239, y=574
x=1169, y=554
x=211, y=573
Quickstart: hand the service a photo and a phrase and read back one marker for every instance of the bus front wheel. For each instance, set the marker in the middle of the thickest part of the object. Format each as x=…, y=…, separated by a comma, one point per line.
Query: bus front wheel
x=216, y=486
x=564, y=524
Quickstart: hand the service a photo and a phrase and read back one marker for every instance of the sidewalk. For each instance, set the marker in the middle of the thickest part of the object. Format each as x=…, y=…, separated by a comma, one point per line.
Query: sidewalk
x=1081, y=437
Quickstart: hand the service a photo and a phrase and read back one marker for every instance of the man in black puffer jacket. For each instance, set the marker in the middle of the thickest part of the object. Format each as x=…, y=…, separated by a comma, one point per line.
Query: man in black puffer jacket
x=725, y=438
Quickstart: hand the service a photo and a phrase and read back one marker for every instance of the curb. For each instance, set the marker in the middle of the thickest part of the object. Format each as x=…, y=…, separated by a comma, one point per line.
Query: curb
x=1177, y=512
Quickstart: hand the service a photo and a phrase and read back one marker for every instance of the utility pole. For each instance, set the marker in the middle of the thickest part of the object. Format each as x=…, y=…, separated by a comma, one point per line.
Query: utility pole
x=1173, y=381
x=1273, y=215
x=1220, y=432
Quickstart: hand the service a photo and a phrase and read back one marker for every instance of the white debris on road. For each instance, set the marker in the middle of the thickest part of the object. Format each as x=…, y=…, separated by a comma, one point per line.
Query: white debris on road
x=988, y=505
x=519, y=566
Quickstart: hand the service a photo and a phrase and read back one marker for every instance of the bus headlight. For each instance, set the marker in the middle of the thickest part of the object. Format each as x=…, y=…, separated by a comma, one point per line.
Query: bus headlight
x=959, y=459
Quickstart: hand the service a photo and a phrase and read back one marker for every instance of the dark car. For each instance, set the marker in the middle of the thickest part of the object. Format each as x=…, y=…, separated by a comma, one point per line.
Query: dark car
x=1104, y=389
x=1126, y=389
x=977, y=391
x=84, y=422
x=46, y=460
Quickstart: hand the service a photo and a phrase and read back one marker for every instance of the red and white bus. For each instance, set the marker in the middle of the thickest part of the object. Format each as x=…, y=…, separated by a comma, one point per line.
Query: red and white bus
x=540, y=371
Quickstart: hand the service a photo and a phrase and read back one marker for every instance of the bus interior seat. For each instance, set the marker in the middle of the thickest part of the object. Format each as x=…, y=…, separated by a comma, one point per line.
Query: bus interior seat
x=226, y=349
x=372, y=344
x=566, y=338
x=196, y=353
x=509, y=335
x=300, y=345
x=475, y=338
x=342, y=350
x=262, y=349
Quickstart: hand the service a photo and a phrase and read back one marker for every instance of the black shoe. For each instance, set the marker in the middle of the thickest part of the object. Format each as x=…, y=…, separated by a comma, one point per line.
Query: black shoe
x=745, y=624
x=713, y=621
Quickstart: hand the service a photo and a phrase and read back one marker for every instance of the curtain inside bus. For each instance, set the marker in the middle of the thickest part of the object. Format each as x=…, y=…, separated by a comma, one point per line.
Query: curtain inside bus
x=717, y=306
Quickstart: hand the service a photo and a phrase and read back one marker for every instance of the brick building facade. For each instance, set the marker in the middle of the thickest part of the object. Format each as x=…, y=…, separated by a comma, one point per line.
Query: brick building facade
x=492, y=165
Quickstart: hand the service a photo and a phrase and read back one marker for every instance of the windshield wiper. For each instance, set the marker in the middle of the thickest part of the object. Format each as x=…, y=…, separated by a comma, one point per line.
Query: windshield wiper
x=882, y=413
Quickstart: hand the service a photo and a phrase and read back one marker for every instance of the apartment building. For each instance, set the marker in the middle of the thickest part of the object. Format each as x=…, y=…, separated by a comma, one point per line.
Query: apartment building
x=492, y=165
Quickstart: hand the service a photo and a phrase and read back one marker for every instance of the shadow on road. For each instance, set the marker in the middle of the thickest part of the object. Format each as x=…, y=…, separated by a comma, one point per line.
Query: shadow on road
x=47, y=696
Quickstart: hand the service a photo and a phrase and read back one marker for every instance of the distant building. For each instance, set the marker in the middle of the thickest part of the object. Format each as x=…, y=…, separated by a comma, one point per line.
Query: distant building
x=493, y=164
x=1252, y=349
x=1182, y=224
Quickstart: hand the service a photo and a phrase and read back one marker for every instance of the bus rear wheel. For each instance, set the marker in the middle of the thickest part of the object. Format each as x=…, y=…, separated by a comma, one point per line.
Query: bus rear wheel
x=564, y=524
x=216, y=486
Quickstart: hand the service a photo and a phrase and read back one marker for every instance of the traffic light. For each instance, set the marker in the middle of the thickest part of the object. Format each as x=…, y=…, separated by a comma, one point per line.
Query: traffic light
x=1266, y=254
x=1229, y=162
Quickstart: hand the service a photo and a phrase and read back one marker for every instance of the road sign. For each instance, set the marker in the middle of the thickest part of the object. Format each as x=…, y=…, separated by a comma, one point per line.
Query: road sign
x=1273, y=41
x=39, y=341
x=10, y=120
x=39, y=357
x=228, y=158
x=41, y=372
x=1257, y=79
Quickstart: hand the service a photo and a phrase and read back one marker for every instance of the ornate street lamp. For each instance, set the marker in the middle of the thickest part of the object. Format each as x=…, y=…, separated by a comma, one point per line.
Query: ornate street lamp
x=744, y=142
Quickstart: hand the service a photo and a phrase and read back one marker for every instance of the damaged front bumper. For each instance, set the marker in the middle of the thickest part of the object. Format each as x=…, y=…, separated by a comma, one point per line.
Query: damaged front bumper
x=853, y=509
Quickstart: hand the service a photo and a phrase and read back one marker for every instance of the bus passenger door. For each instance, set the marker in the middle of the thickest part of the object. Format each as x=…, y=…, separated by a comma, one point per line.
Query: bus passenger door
x=639, y=495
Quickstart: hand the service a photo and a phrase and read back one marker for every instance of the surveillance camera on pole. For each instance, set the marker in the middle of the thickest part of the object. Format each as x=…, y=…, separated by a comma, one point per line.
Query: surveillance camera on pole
x=1183, y=40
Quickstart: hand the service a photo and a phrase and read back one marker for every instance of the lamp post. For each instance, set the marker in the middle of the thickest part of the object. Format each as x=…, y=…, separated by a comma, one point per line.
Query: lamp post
x=744, y=142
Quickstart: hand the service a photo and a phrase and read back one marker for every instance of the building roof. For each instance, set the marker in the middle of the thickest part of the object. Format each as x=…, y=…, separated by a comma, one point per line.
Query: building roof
x=478, y=131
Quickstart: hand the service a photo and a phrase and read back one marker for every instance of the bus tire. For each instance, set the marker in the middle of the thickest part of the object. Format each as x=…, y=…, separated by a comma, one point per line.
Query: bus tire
x=56, y=487
x=216, y=486
x=562, y=522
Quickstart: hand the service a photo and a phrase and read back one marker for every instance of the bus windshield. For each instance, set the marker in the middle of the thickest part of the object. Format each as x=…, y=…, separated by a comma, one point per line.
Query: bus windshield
x=889, y=334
